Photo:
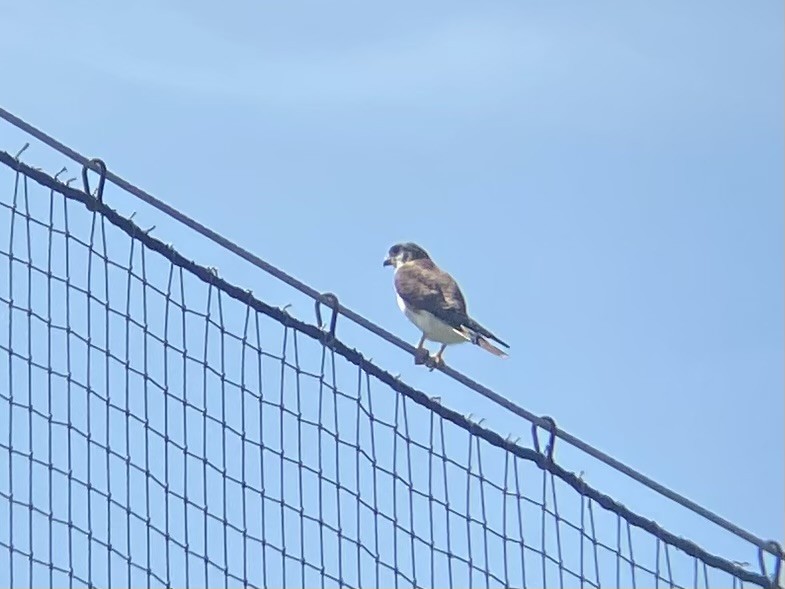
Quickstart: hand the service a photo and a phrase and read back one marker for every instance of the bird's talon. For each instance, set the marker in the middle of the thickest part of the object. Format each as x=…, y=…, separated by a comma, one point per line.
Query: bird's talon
x=434, y=362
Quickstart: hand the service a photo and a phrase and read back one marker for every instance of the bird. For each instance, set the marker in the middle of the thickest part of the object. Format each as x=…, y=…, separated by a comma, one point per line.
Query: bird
x=432, y=300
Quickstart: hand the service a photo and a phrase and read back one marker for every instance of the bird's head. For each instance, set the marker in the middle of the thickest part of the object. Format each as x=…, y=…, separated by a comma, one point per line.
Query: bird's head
x=401, y=253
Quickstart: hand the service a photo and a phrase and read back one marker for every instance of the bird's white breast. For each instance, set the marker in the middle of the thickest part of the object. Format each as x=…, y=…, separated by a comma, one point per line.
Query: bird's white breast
x=402, y=305
x=432, y=327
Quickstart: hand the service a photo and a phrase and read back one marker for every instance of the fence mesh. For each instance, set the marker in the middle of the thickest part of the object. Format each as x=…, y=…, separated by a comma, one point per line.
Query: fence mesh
x=161, y=427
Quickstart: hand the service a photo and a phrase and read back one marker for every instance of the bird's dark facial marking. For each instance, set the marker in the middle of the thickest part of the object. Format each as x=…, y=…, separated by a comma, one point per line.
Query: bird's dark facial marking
x=406, y=252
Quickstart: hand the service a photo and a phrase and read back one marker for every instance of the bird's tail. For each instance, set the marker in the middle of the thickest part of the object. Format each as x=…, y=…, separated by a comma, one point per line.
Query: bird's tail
x=474, y=337
x=489, y=347
x=472, y=325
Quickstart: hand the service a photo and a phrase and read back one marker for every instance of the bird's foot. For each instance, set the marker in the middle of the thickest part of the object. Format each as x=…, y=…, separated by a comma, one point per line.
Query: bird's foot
x=433, y=362
x=421, y=356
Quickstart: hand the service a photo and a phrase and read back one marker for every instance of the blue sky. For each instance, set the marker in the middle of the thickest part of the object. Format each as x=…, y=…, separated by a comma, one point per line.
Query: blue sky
x=604, y=180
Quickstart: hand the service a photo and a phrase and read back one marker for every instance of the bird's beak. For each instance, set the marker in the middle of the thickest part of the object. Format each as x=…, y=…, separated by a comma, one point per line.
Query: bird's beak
x=387, y=262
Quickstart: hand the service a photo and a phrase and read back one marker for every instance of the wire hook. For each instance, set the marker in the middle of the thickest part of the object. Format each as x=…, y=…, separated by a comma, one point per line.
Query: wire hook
x=551, y=438
x=330, y=299
x=95, y=162
x=775, y=577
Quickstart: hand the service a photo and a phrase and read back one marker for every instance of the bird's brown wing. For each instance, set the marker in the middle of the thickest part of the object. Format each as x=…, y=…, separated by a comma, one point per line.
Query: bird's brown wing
x=424, y=287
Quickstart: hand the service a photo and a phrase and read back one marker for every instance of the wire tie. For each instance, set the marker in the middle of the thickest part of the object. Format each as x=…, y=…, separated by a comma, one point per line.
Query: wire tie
x=21, y=151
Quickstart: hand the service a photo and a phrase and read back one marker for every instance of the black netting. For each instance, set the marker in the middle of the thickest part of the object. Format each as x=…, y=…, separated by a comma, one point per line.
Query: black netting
x=159, y=426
